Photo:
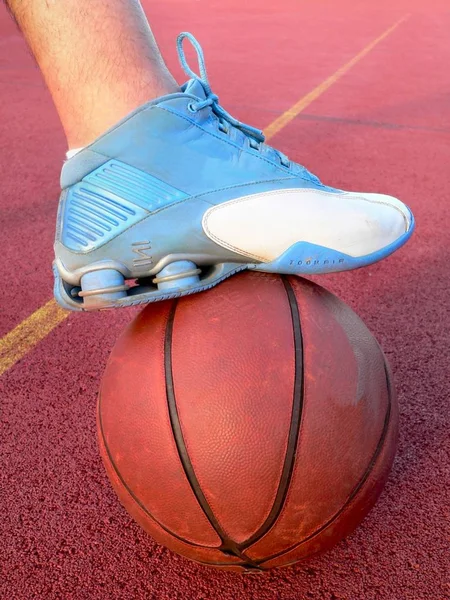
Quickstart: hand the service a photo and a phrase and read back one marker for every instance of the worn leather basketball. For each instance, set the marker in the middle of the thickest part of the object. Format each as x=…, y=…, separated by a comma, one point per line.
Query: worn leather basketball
x=249, y=426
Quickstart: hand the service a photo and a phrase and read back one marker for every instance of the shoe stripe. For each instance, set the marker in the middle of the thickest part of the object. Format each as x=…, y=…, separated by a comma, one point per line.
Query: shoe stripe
x=81, y=231
x=142, y=189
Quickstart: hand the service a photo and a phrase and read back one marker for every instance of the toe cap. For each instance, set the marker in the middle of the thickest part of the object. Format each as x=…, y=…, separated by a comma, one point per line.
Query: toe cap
x=390, y=220
x=404, y=219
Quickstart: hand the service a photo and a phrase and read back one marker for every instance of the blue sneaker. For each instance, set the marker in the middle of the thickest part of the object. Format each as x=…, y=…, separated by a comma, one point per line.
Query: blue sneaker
x=180, y=195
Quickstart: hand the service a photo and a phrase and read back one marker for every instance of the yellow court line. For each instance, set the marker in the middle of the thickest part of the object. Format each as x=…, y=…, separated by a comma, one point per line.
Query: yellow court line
x=297, y=108
x=15, y=344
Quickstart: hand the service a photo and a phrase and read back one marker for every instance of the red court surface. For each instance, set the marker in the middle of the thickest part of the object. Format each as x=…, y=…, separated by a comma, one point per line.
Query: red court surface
x=384, y=126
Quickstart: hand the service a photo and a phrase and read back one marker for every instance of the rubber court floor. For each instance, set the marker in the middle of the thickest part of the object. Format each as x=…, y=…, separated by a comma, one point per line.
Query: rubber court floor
x=359, y=92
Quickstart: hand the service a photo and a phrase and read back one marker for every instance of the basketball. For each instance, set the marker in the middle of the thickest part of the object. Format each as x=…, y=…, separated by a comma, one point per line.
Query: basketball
x=250, y=426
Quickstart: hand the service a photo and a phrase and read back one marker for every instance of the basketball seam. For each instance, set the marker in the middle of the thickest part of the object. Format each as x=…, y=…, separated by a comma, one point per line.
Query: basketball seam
x=228, y=545
x=294, y=427
x=356, y=489
x=134, y=497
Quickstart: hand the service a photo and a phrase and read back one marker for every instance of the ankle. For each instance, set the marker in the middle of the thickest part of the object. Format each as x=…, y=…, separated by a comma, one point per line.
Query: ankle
x=82, y=127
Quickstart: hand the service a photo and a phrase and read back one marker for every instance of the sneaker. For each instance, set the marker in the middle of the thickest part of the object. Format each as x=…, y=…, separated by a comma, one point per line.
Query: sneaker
x=180, y=195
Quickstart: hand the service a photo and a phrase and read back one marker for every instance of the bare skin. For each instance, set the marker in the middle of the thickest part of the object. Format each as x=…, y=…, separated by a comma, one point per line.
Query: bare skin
x=99, y=60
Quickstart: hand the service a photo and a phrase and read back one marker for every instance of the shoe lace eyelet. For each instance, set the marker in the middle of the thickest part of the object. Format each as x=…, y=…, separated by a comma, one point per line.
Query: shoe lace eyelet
x=191, y=107
x=222, y=127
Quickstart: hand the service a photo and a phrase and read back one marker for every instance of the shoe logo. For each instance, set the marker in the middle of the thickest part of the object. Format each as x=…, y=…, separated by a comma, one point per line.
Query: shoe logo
x=142, y=249
x=317, y=262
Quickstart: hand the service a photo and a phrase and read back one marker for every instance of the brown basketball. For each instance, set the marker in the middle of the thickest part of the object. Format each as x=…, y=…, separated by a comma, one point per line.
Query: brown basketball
x=249, y=426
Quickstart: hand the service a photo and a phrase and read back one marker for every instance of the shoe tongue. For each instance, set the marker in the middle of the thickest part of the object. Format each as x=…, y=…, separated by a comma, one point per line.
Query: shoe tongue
x=195, y=88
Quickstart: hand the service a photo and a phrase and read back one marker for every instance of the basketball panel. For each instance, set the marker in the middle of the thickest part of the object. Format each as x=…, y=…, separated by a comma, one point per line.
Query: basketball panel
x=340, y=426
x=233, y=371
x=135, y=422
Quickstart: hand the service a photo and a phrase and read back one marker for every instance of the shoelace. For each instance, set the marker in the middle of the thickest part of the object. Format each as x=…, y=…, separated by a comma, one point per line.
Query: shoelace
x=255, y=136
